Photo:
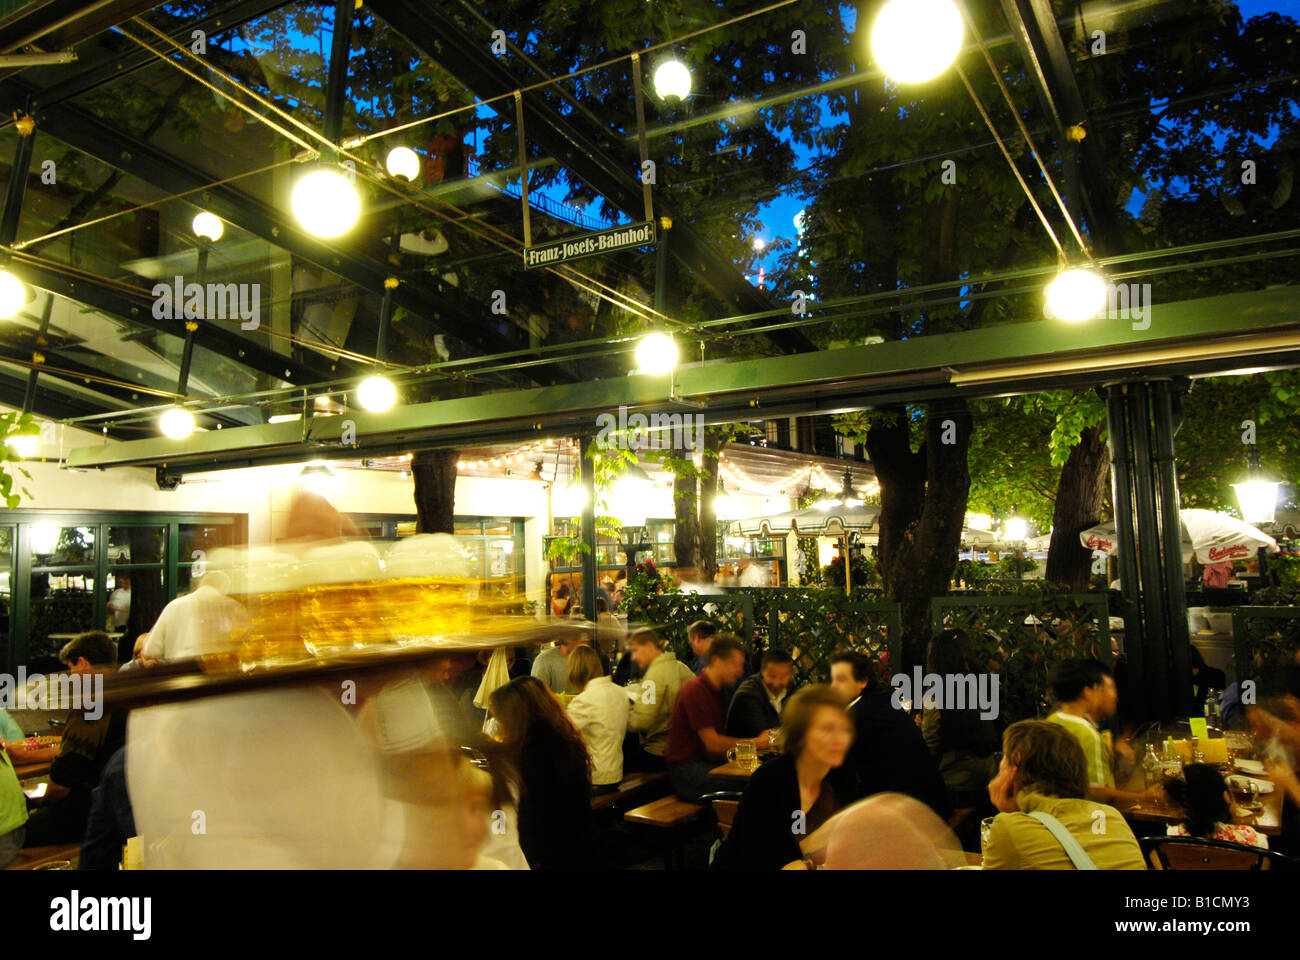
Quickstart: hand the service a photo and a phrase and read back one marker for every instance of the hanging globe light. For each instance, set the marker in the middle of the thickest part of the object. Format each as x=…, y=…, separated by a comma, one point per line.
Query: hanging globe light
x=916, y=40
x=672, y=80
x=325, y=202
x=376, y=394
x=12, y=294
x=208, y=226
x=23, y=441
x=656, y=353
x=403, y=163
x=1076, y=295
x=176, y=423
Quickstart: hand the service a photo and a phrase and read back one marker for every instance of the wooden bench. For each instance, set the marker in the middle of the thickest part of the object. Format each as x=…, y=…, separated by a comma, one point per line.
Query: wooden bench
x=667, y=814
x=32, y=857
x=630, y=785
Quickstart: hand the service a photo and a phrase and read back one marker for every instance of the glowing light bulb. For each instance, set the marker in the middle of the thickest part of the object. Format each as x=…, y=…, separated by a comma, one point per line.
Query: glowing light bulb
x=176, y=423
x=1076, y=295
x=672, y=79
x=403, y=162
x=656, y=353
x=325, y=202
x=916, y=40
x=376, y=394
x=12, y=294
x=208, y=225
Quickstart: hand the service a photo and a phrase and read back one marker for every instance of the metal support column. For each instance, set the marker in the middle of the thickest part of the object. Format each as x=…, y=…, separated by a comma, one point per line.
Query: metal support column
x=336, y=86
x=1156, y=678
x=17, y=189
x=1122, y=490
x=589, y=573
x=1166, y=405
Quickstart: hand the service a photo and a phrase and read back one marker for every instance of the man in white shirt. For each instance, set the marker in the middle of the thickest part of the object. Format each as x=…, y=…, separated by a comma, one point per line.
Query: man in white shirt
x=119, y=603
x=201, y=622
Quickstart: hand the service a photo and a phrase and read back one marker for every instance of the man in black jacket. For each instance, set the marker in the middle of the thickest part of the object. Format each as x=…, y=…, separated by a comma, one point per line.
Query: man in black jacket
x=760, y=699
x=888, y=752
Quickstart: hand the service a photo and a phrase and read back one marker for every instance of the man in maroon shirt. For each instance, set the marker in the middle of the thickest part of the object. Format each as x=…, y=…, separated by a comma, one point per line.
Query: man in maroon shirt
x=696, y=743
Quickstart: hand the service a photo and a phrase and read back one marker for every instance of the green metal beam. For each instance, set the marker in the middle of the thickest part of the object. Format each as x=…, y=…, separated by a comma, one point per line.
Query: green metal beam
x=1258, y=328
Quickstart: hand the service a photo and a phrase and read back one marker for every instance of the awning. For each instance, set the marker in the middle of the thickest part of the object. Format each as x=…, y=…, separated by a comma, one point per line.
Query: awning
x=1210, y=537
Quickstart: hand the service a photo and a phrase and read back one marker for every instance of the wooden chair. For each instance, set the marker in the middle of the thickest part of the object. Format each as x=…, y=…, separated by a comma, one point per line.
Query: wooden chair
x=669, y=816
x=1202, y=853
x=725, y=803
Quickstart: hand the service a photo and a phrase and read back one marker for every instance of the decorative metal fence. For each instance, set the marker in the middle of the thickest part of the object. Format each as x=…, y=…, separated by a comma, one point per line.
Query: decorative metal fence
x=811, y=623
x=669, y=614
x=1264, y=638
x=1020, y=638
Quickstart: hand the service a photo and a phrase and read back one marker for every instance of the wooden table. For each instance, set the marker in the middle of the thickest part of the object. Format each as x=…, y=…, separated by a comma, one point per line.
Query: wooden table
x=733, y=771
x=1160, y=810
x=29, y=771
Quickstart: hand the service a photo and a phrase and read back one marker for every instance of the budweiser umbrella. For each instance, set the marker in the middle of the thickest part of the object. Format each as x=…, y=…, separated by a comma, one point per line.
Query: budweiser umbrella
x=1211, y=537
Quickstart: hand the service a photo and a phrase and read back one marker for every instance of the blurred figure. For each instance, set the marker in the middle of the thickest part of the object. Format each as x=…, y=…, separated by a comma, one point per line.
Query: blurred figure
x=111, y=823
x=696, y=743
x=1204, y=679
x=960, y=741
x=488, y=830
x=760, y=699
x=890, y=831
x=556, y=826
x=600, y=712
x=1203, y=795
x=788, y=798
x=888, y=754
x=1046, y=821
x=119, y=603
x=312, y=517
x=699, y=635
x=138, y=659
x=13, y=803
x=663, y=676
x=201, y=622
x=1086, y=695
x=562, y=601
x=552, y=664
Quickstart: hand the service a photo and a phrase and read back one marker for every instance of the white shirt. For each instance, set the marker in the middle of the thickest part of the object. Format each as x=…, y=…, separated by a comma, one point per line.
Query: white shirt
x=120, y=600
x=204, y=621
x=600, y=714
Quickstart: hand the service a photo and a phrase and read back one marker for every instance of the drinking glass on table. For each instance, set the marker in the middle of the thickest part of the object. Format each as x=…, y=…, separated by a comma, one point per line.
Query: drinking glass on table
x=743, y=754
x=986, y=827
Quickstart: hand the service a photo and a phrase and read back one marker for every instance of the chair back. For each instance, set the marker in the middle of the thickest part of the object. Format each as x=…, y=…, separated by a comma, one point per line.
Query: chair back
x=725, y=803
x=1203, y=853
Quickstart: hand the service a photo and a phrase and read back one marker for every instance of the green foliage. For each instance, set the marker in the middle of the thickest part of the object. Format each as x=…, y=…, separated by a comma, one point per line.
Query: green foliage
x=643, y=582
x=864, y=573
x=12, y=424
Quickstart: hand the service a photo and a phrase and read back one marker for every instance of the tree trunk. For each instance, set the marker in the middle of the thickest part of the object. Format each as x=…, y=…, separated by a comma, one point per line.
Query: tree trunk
x=708, y=529
x=148, y=595
x=687, y=537
x=434, y=473
x=923, y=504
x=1080, y=502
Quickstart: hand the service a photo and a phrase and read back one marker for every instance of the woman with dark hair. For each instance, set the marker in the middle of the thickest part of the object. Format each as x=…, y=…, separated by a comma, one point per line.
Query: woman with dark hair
x=960, y=741
x=562, y=601
x=556, y=827
x=788, y=798
x=1203, y=795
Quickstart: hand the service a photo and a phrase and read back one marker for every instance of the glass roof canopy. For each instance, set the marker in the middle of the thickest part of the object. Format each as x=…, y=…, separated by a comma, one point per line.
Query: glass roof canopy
x=771, y=171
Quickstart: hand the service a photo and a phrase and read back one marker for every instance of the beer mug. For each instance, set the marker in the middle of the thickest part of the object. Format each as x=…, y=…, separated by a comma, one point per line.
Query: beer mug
x=744, y=754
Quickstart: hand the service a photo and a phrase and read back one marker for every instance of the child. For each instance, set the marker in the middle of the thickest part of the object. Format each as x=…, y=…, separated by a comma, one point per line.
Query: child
x=1203, y=795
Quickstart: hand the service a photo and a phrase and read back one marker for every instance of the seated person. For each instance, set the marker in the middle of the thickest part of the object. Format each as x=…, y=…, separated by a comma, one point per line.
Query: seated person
x=13, y=803
x=84, y=750
x=22, y=750
x=552, y=664
x=138, y=659
x=699, y=635
x=888, y=753
x=788, y=798
x=663, y=678
x=1086, y=695
x=1041, y=789
x=1204, y=679
x=890, y=831
x=1203, y=795
x=695, y=743
x=599, y=711
x=758, y=701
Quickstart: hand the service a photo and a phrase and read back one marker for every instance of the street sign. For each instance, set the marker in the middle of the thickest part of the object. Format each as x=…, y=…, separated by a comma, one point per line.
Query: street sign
x=590, y=245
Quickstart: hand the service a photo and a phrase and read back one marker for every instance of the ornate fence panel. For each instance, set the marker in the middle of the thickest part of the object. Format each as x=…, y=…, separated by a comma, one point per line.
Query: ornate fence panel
x=669, y=614
x=1020, y=638
x=1263, y=639
x=813, y=623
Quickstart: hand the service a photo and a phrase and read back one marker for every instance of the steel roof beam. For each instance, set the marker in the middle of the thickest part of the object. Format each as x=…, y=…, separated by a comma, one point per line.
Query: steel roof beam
x=1208, y=335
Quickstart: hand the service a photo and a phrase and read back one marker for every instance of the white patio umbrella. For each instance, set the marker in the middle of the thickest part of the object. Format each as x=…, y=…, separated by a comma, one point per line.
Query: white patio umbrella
x=1209, y=536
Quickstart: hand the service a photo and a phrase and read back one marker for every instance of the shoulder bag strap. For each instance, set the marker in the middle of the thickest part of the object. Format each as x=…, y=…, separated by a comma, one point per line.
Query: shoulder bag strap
x=1075, y=852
